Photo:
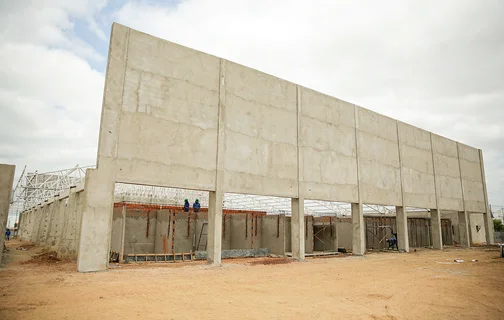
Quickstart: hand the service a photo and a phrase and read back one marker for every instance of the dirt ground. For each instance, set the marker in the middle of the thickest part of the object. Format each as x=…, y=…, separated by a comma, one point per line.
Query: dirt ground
x=426, y=284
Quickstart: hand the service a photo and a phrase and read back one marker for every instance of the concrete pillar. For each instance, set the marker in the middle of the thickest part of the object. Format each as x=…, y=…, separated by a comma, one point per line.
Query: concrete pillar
x=335, y=233
x=123, y=233
x=437, y=236
x=358, y=230
x=214, y=245
x=464, y=229
x=489, y=227
x=402, y=229
x=6, y=180
x=298, y=229
x=96, y=224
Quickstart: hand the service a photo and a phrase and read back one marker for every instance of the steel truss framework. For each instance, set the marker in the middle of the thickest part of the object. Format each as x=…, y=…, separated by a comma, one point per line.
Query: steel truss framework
x=271, y=205
x=34, y=188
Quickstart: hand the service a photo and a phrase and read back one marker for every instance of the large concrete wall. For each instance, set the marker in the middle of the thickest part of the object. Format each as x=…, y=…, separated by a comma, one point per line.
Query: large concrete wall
x=265, y=120
x=6, y=180
x=176, y=117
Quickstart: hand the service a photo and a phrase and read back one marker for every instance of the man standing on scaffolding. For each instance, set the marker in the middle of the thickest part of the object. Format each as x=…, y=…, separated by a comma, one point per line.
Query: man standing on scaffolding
x=186, y=205
x=196, y=206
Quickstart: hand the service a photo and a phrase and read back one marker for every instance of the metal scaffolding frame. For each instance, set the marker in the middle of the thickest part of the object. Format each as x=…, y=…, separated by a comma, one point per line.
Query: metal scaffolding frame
x=34, y=188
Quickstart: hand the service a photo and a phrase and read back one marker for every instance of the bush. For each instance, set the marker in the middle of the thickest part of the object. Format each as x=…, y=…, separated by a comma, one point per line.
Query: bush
x=498, y=226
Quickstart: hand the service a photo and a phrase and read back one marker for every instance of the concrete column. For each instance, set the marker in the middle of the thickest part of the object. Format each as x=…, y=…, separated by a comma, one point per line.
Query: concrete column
x=336, y=234
x=489, y=228
x=298, y=229
x=96, y=224
x=123, y=233
x=6, y=180
x=402, y=229
x=358, y=230
x=214, y=245
x=464, y=229
x=437, y=236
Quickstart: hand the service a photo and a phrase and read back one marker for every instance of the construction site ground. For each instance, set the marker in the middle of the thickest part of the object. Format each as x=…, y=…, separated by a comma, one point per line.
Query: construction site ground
x=425, y=284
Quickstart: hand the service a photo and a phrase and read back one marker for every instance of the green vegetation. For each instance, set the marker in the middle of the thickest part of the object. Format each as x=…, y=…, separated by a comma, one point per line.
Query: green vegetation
x=498, y=226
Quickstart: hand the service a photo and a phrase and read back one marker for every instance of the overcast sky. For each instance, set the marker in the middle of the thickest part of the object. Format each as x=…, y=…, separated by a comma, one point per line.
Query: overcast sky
x=438, y=65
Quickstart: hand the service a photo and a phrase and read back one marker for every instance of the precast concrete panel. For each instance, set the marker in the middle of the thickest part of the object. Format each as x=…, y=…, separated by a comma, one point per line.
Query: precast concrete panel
x=379, y=166
x=169, y=115
x=328, y=148
x=472, y=182
x=417, y=167
x=260, y=153
x=447, y=171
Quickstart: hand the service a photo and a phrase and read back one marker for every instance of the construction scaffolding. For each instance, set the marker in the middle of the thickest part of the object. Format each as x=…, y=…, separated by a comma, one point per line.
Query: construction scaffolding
x=33, y=188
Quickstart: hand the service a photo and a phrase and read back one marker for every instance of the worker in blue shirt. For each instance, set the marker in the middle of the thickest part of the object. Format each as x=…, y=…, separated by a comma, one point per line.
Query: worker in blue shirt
x=186, y=205
x=7, y=234
x=196, y=206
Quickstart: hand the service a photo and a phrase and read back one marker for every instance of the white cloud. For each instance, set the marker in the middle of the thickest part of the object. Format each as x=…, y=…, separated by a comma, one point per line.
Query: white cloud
x=437, y=65
x=50, y=97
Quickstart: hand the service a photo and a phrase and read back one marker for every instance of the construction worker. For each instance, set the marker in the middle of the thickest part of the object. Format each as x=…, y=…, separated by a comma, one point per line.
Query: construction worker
x=392, y=242
x=7, y=234
x=196, y=206
x=186, y=205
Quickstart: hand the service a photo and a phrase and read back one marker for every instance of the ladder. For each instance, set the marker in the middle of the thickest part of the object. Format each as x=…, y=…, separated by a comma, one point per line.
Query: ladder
x=202, y=233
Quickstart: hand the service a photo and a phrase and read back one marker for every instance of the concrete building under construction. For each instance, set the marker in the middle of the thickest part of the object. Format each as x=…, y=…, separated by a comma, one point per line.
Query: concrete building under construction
x=178, y=118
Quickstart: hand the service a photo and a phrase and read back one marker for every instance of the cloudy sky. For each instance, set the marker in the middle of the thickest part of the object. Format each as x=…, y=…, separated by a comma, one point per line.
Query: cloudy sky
x=438, y=65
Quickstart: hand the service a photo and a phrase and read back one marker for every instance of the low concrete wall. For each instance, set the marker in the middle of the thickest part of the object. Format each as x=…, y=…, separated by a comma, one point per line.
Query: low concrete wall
x=344, y=232
x=55, y=224
x=272, y=233
x=237, y=253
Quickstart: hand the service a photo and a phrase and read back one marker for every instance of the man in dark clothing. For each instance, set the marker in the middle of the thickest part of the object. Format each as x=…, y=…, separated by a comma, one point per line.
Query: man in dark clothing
x=196, y=206
x=186, y=205
x=7, y=234
x=392, y=242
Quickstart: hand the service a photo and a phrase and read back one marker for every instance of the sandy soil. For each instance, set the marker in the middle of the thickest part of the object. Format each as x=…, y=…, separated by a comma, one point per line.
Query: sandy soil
x=421, y=285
